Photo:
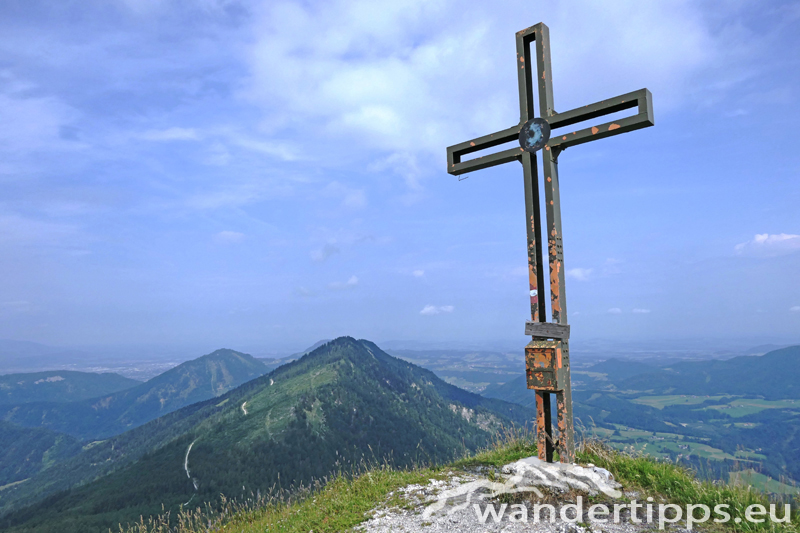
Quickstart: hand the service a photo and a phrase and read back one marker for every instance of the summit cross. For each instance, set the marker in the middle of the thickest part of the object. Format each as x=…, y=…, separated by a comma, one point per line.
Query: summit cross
x=547, y=355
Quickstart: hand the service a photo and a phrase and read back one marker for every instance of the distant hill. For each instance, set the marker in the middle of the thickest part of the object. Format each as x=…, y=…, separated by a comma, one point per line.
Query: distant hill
x=25, y=452
x=764, y=348
x=775, y=376
x=342, y=404
x=274, y=362
x=59, y=386
x=620, y=369
x=112, y=414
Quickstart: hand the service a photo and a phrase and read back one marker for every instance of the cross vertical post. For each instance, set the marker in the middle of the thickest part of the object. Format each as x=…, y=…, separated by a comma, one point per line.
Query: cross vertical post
x=547, y=355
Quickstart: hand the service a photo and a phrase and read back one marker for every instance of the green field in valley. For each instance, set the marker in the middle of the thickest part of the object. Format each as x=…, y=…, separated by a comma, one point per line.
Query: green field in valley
x=660, y=402
x=665, y=445
x=739, y=407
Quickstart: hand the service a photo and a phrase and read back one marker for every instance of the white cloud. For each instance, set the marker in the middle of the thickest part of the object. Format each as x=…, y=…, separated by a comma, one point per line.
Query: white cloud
x=278, y=149
x=580, y=274
x=418, y=273
x=403, y=164
x=764, y=244
x=349, y=284
x=641, y=311
x=395, y=77
x=795, y=309
x=321, y=254
x=228, y=237
x=436, y=310
x=615, y=311
x=171, y=134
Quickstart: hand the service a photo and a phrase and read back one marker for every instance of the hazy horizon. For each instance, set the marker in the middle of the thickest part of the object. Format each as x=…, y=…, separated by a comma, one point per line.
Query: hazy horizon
x=273, y=173
x=186, y=351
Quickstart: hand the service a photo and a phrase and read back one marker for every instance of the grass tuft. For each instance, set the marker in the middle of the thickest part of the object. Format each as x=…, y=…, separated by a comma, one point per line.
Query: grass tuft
x=673, y=483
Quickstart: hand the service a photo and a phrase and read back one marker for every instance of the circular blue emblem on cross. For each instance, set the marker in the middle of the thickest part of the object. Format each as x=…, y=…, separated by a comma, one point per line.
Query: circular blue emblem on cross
x=534, y=134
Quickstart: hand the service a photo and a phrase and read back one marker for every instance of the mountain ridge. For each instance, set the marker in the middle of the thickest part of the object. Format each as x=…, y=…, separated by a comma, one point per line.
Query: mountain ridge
x=346, y=402
x=104, y=416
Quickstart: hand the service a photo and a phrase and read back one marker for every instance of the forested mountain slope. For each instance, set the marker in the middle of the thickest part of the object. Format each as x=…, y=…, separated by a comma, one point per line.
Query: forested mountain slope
x=59, y=386
x=25, y=452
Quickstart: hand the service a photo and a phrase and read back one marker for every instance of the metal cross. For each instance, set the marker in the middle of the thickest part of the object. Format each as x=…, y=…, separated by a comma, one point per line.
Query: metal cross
x=547, y=355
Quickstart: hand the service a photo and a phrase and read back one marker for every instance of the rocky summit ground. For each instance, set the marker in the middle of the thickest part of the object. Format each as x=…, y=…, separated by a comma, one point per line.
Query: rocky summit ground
x=460, y=501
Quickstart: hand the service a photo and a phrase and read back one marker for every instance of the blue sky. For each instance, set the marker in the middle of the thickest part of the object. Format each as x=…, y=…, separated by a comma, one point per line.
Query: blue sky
x=273, y=173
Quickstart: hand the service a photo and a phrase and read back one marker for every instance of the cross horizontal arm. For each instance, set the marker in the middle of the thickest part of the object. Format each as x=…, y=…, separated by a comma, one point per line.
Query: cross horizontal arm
x=454, y=153
x=641, y=99
x=546, y=330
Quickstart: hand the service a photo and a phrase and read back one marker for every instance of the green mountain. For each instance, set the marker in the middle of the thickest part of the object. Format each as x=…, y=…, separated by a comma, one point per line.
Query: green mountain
x=345, y=403
x=25, y=452
x=514, y=391
x=775, y=376
x=111, y=414
x=59, y=386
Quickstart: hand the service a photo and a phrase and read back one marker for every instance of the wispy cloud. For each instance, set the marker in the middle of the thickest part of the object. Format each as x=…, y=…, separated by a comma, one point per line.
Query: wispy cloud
x=349, y=284
x=228, y=237
x=641, y=311
x=171, y=134
x=436, y=310
x=580, y=274
x=615, y=311
x=418, y=273
x=764, y=244
x=795, y=309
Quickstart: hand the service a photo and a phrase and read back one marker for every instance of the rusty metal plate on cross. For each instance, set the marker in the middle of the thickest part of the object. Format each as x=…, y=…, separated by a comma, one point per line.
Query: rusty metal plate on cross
x=534, y=134
x=545, y=366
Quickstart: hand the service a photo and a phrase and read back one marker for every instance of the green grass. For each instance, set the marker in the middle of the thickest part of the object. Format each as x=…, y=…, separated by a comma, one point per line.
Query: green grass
x=345, y=501
x=342, y=503
x=513, y=446
x=761, y=482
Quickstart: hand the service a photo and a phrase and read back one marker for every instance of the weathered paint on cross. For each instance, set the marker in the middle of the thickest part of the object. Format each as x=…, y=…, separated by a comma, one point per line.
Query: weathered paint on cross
x=551, y=373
